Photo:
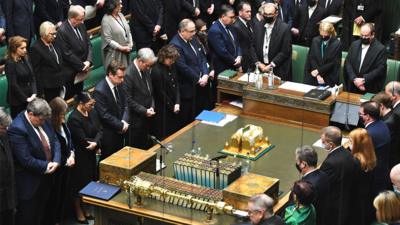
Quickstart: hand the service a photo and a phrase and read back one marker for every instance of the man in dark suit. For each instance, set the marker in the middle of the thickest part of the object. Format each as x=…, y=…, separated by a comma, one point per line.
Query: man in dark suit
x=48, y=10
x=191, y=68
x=339, y=166
x=360, y=12
x=147, y=25
x=8, y=194
x=175, y=11
x=365, y=65
x=76, y=48
x=223, y=42
x=285, y=10
x=306, y=164
x=193, y=7
x=37, y=155
x=332, y=7
x=244, y=33
x=112, y=109
x=378, y=131
x=207, y=9
x=139, y=94
x=47, y=63
x=19, y=18
x=393, y=90
x=273, y=44
x=306, y=27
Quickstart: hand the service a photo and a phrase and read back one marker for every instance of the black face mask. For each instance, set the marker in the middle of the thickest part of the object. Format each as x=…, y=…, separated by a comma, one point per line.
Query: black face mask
x=311, y=3
x=325, y=38
x=298, y=168
x=365, y=41
x=202, y=34
x=269, y=20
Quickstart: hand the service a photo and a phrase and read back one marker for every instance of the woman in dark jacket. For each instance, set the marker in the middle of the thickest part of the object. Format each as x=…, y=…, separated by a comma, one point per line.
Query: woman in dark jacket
x=59, y=192
x=86, y=133
x=324, y=58
x=21, y=79
x=166, y=92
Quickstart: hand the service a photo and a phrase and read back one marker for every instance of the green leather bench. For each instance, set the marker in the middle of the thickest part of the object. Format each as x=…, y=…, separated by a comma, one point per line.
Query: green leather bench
x=299, y=58
x=98, y=71
x=3, y=92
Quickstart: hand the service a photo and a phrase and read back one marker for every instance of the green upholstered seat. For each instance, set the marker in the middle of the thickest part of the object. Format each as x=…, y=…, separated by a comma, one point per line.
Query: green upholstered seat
x=299, y=58
x=98, y=71
x=3, y=91
x=392, y=70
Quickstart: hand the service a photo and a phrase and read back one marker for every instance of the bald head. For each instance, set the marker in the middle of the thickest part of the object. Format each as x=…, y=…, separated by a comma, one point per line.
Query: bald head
x=395, y=176
x=331, y=136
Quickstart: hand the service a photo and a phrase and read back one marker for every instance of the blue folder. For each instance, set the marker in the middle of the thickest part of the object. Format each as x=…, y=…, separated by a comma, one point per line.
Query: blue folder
x=100, y=190
x=210, y=116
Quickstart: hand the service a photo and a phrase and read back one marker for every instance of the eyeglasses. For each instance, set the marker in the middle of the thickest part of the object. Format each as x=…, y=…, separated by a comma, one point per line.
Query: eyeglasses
x=252, y=212
x=53, y=33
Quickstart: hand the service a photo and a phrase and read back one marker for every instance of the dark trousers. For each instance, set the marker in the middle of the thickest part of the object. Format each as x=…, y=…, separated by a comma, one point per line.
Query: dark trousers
x=51, y=93
x=73, y=89
x=139, y=136
x=7, y=217
x=187, y=113
x=31, y=211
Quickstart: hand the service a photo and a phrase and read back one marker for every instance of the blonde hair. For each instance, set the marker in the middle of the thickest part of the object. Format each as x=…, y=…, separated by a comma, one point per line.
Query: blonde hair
x=387, y=205
x=327, y=27
x=363, y=148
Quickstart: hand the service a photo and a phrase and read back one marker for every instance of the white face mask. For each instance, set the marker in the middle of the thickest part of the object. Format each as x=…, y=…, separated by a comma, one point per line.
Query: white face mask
x=396, y=190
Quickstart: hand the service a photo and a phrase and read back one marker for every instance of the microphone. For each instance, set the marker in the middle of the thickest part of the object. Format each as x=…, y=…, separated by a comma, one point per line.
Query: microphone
x=154, y=139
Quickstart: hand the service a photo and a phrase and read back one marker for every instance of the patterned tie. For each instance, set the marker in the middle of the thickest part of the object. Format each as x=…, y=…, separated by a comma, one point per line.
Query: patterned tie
x=46, y=147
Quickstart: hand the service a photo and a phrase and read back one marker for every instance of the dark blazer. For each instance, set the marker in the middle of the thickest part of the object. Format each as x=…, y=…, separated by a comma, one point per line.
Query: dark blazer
x=280, y=48
x=173, y=14
x=83, y=3
x=19, y=18
x=21, y=81
x=8, y=194
x=334, y=7
x=30, y=160
x=74, y=51
x=372, y=13
x=380, y=135
x=48, y=10
x=308, y=26
x=339, y=166
x=50, y=74
x=66, y=145
x=321, y=185
x=392, y=121
x=285, y=11
x=139, y=95
x=111, y=115
x=223, y=50
x=328, y=65
x=245, y=38
x=190, y=65
x=274, y=220
x=146, y=14
x=373, y=69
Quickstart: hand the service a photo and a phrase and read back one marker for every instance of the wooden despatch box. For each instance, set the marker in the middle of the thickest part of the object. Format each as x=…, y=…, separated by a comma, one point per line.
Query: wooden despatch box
x=125, y=163
x=239, y=192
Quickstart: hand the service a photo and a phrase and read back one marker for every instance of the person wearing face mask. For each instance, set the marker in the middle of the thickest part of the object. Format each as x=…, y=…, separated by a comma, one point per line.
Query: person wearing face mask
x=365, y=65
x=369, y=113
x=272, y=48
x=324, y=58
x=306, y=27
x=306, y=164
x=362, y=149
x=340, y=167
x=395, y=178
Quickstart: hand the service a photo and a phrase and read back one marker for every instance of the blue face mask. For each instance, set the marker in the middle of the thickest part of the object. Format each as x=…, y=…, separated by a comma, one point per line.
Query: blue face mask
x=396, y=190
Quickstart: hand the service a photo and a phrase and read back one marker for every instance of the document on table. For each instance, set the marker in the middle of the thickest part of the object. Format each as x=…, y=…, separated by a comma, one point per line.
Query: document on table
x=293, y=86
x=228, y=118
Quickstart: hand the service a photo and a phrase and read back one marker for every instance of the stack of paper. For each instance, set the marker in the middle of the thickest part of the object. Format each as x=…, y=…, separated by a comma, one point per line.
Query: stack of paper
x=293, y=86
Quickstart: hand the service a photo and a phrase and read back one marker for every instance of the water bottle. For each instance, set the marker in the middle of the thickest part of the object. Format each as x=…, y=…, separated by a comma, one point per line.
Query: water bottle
x=270, y=77
x=246, y=164
x=198, y=151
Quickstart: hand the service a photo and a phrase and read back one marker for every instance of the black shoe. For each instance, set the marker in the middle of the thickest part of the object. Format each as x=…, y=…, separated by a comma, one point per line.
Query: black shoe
x=90, y=217
x=85, y=221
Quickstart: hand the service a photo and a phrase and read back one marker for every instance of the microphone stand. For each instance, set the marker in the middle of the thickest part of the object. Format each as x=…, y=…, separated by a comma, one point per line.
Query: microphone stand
x=217, y=171
x=164, y=150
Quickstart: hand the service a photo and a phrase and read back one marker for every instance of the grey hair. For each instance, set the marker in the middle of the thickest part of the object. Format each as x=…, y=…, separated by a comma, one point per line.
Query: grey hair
x=263, y=202
x=5, y=119
x=307, y=154
x=45, y=28
x=184, y=24
x=333, y=134
x=266, y=5
x=75, y=11
x=394, y=87
x=146, y=55
x=39, y=107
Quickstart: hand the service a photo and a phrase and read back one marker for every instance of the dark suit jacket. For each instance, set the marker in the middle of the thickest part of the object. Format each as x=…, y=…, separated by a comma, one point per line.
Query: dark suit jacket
x=245, y=38
x=48, y=10
x=139, y=96
x=189, y=66
x=21, y=81
x=74, y=51
x=280, y=48
x=174, y=13
x=373, y=69
x=320, y=183
x=19, y=18
x=30, y=159
x=146, y=14
x=50, y=74
x=308, y=27
x=339, y=166
x=223, y=51
x=66, y=145
x=111, y=115
x=380, y=135
x=334, y=7
x=8, y=194
x=392, y=121
x=373, y=13
x=285, y=11
x=83, y=3
x=328, y=66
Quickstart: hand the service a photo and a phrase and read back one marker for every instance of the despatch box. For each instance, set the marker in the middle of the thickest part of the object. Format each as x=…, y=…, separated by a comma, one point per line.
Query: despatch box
x=239, y=192
x=125, y=163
